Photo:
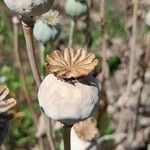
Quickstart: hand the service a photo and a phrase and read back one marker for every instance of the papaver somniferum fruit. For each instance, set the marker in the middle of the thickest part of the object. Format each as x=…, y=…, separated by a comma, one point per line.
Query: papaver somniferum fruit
x=29, y=7
x=5, y=105
x=47, y=27
x=69, y=93
x=147, y=18
x=83, y=135
x=76, y=8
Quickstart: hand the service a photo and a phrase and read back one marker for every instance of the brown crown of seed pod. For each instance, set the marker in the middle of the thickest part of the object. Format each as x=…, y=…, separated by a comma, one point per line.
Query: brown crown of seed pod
x=5, y=103
x=71, y=64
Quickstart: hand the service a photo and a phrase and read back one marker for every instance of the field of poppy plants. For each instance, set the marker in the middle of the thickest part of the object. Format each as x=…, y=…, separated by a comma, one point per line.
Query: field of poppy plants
x=74, y=75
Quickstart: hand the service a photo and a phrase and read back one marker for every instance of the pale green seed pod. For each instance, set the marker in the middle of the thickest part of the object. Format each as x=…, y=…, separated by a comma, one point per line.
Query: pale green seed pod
x=47, y=27
x=76, y=8
x=44, y=32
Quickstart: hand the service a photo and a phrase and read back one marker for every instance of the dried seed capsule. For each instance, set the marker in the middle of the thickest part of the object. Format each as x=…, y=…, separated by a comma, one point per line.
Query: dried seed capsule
x=29, y=7
x=147, y=18
x=69, y=94
x=66, y=102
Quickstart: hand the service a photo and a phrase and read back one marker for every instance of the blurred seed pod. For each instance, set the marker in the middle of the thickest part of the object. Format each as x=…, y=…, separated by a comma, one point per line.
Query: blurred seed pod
x=47, y=27
x=76, y=8
x=83, y=135
x=147, y=18
x=29, y=7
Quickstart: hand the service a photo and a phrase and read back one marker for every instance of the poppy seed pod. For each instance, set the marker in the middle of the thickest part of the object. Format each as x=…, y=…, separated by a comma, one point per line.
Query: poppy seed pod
x=76, y=8
x=5, y=103
x=68, y=94
x=44, y=32
x=47, y=28
x=83, y=135
x=29, y=7
x=147, y=18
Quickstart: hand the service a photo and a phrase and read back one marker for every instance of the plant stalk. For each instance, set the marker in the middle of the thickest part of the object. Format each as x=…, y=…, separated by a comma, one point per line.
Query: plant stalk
x=122, y=122
x=66, y=137
x=42, y=59
x=22, y=75
x=133, y=48
x=71, y=33
x=28, y=33
x=49, y=133
x=105, y=69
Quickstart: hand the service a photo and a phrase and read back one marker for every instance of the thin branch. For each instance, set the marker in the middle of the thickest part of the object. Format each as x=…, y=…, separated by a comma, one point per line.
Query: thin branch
x=133, y=48
x=71, y=33
x=66, y=137
x=48, y=121
x=105, y=70
x=144, y=66
x=28, y=33
x=20, y=66
x=122, y=121
x=22, y=75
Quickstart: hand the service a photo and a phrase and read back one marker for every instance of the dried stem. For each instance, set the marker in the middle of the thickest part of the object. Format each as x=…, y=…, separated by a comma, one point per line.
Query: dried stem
x=133, y=48
x=28, y=33
x=88, y=38
x=66, y=137
x=122, y=123
x=105, y=70
x=144, y=66
x=48, y=120
x=22, y=75
x=71, y=33
x=49, y=134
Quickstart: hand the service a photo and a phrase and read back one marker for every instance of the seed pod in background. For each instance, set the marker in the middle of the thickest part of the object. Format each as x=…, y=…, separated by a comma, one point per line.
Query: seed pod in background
x=83, y=135
x=29, y=7
x=76, y=8
x=47, y=27
x=147, y=18
x=69, y=94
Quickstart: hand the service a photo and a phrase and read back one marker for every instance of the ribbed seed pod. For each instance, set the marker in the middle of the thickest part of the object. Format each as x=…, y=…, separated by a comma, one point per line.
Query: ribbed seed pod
x=69, y=94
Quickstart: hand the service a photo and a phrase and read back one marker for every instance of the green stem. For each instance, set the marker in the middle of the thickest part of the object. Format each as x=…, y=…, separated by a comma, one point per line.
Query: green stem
x=66, y=137
x=48, y=120
x=42, y=59
x=71, y=33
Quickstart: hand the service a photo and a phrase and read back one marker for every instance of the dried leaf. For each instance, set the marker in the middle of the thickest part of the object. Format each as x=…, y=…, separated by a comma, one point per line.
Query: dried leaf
x=5, y=104
x=70, y=63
